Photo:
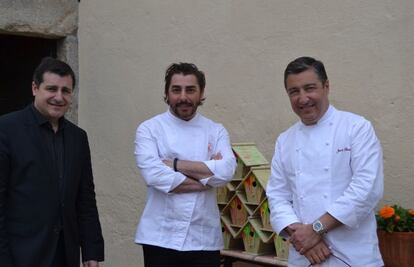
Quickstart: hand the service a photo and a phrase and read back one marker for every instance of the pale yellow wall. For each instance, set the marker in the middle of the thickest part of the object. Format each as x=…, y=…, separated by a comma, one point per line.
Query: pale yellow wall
x=243, y=46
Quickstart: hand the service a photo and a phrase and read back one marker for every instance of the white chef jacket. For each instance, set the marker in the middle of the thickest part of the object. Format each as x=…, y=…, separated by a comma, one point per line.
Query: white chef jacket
x=334, y=166
x=186, y=221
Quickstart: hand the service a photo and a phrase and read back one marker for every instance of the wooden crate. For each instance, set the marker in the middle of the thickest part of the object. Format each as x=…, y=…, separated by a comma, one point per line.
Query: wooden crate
x=237, y=210
x=231, y=235
x=224, y=194
x=231, y=240
x=265, y=215
x=263, y=212
x=241, y=169
x=282, y=247
x=247, y=156
x=256, y=241
x=254, y=184
x=245, y=215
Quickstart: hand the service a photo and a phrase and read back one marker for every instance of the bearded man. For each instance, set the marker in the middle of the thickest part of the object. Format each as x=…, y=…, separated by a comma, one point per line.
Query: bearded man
x=182, y=157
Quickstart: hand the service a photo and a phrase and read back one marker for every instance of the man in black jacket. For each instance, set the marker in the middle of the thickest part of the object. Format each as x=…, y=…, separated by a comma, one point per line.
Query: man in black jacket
x=47, y=200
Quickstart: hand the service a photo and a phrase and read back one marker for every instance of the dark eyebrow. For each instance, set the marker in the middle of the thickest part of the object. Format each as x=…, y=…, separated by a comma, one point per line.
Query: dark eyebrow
x=309, y=84
x=291, y=88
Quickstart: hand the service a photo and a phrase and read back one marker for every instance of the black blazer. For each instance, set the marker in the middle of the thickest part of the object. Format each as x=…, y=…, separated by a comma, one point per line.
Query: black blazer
x=30, y=201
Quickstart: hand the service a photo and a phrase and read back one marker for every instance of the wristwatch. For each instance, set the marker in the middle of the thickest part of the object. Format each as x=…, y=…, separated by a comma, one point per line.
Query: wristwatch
x=317, y=226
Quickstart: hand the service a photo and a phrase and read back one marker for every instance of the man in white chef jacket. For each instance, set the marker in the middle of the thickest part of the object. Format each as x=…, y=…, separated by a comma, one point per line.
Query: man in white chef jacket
x=182, y=157
x=326, y=177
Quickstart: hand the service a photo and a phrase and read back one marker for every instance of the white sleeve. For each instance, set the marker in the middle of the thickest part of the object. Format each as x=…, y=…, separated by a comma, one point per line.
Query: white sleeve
x=279, y=194
x=367, y=182
x=155, y=173
x=223, y=169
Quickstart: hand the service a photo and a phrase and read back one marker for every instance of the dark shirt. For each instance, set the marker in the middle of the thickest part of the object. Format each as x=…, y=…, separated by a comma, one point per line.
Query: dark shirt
x=54, y=143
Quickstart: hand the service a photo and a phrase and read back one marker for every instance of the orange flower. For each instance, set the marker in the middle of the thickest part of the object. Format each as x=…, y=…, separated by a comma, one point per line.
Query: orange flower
x=395, y=219
x=386, y=212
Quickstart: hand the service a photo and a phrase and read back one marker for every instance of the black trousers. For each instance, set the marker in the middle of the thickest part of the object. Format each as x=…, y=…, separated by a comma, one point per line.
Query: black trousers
x=60, y=255
x=163, y=257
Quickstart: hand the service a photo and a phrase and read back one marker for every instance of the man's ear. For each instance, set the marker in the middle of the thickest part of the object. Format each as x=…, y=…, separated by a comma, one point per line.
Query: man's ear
x=35, y=88
x=326, y=86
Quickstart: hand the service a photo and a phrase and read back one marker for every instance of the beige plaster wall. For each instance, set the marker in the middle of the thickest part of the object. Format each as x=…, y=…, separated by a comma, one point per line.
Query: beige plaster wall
x=243, y=46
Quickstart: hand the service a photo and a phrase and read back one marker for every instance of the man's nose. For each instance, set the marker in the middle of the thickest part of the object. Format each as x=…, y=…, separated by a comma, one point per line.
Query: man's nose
x=303, y=97
x=183, y=95
x=58, y=95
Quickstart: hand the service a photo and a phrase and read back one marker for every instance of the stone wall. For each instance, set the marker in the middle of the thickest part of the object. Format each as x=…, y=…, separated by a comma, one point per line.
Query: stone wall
x=55, y=19
x=45, y=18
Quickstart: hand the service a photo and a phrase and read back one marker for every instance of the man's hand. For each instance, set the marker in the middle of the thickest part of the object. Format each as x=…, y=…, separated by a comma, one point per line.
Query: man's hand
x=168, y=162
x=194, y=169
x=190, y=185
x=90, y=264
x=318, y=254
x=217, y=156
x=303, y=237
x=290, y=229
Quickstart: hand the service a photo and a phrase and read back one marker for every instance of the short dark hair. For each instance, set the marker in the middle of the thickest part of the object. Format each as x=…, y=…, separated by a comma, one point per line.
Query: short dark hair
x=302, y=64
x=52, y=65
x=184, y=69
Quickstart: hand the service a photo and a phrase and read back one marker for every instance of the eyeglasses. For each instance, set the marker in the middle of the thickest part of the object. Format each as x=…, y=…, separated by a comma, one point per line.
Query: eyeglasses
x=344, y=262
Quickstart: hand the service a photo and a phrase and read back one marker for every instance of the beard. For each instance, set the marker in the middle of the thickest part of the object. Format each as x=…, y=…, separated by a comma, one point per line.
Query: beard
x=185, y=110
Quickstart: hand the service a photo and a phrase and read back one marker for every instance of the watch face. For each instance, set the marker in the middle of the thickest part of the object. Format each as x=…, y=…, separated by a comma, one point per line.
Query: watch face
x=317, y=226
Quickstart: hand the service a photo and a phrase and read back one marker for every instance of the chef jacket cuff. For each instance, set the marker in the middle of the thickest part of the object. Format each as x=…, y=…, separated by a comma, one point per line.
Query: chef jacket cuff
x=211, y=165
x=344, y=216
x=178, y=179
x=281, y=226
x=204, y=181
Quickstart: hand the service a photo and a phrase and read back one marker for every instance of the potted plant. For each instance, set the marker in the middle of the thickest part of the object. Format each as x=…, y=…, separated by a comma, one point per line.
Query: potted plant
x=396, y=235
